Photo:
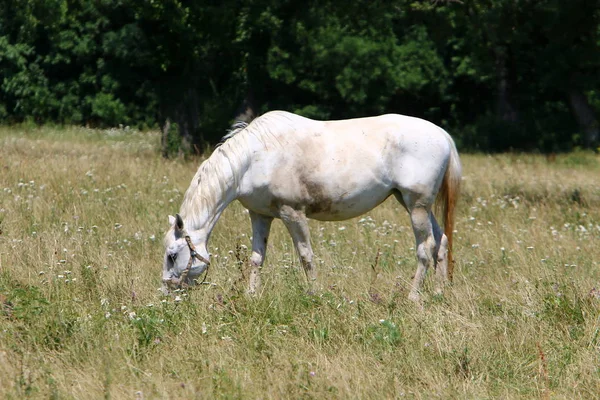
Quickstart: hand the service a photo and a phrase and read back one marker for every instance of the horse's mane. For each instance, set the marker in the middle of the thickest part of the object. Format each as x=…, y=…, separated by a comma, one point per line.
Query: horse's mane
x=213, y=177
x=235, y=128
x=263, y=127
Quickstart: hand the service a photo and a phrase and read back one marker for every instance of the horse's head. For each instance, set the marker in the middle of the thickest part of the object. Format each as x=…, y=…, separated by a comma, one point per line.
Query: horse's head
x=186, y=257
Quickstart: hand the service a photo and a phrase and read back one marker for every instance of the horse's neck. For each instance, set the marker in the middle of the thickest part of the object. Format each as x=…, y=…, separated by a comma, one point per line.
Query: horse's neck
x=213, y=188
x=204, y=216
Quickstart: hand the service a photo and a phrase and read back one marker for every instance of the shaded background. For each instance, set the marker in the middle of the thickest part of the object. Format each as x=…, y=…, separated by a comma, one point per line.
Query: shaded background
x=498, y=75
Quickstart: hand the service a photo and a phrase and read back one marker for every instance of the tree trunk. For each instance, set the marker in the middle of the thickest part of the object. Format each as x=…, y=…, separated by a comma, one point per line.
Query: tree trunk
x=247, y=111
x=504, y=106
x=187, y=116
x=188, y=120
x=584, y=114
x=164, y=137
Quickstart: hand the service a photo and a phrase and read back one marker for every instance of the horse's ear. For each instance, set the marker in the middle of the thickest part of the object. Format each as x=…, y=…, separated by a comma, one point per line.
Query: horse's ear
x=178, y=222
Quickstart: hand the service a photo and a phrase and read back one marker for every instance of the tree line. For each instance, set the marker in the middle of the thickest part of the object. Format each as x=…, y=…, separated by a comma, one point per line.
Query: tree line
x=497, y=74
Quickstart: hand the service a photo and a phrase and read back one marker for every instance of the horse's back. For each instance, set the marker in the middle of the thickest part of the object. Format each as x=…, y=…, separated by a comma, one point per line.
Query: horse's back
x=402, y=128
x=388, y=138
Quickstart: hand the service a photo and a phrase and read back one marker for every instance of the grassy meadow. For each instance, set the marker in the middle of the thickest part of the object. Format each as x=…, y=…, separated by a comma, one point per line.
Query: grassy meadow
x=82, y=218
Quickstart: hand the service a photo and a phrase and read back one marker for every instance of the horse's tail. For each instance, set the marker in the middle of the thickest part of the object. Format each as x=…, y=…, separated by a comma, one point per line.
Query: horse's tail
x=448, y=197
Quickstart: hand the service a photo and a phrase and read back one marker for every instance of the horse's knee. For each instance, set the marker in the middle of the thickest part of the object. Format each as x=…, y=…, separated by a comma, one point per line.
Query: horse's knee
x=441, y=265
x=425, y=251
x=305, y=253
x=256, y=259
x=254, y=281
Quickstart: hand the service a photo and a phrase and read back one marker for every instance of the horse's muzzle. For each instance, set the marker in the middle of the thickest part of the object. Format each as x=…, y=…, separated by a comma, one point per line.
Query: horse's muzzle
x=170, y=284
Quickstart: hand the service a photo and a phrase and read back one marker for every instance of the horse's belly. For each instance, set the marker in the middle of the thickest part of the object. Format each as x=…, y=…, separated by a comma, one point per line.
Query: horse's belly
x=319, y=205
x=330, y=190
x=344, y=208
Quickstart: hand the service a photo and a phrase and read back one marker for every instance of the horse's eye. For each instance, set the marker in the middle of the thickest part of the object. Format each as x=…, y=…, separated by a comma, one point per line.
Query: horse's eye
x=173, y=257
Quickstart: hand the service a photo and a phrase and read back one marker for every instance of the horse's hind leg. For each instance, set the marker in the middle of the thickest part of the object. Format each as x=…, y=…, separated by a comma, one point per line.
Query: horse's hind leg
x=261, y=226
x=426, y=245
x=441, y=252
x=296, y=223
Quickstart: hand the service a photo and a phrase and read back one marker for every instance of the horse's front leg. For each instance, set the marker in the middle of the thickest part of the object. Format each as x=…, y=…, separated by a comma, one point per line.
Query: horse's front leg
x=261, y=226
x=296, y=223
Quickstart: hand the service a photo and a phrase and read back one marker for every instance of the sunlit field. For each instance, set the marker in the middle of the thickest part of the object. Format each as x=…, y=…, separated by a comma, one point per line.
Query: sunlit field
x=82, y=218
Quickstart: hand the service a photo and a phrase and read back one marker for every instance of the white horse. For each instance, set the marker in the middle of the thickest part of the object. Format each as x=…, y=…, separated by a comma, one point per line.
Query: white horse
x=285, y=166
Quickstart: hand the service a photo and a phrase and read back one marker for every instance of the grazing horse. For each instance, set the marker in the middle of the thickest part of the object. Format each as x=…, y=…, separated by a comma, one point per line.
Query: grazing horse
x=285, y=166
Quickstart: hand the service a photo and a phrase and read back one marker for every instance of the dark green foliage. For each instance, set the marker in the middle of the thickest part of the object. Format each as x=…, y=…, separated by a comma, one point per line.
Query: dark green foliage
x=172, y=144
x=497, y=74
x=58, y=65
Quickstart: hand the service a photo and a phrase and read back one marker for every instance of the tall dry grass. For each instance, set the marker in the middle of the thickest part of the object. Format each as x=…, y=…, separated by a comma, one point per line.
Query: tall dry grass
x=82, y=215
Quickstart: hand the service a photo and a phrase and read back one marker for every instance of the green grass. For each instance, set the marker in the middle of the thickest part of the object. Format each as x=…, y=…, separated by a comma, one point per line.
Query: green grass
x=82, y=216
